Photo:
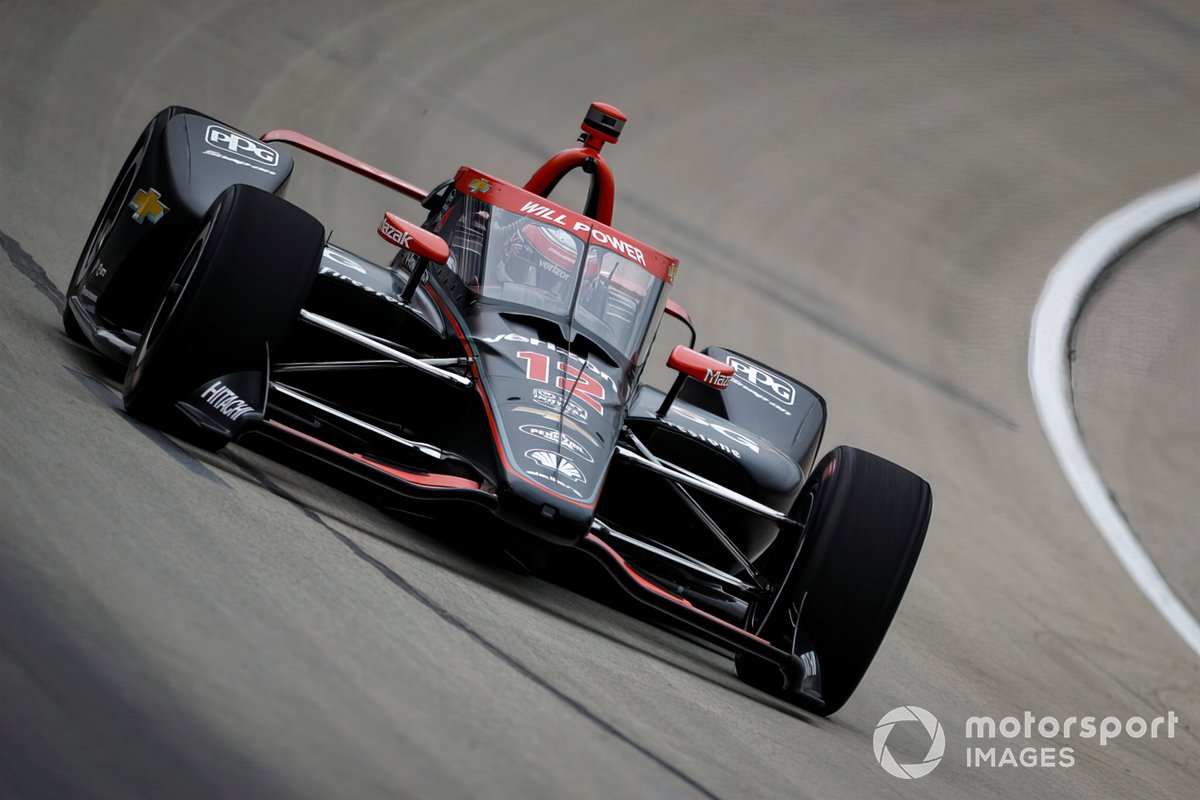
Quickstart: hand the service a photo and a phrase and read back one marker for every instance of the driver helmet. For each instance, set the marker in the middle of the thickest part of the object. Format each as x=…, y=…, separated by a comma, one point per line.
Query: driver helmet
x=540, y=256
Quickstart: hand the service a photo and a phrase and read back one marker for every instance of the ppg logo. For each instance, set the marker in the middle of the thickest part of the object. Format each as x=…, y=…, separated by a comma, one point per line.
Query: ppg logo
x=236, y=143
x=779, y=389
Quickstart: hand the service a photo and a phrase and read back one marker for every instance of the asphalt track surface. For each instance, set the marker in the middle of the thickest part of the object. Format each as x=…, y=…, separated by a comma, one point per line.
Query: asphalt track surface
x=866, y=194
x=1137, y=358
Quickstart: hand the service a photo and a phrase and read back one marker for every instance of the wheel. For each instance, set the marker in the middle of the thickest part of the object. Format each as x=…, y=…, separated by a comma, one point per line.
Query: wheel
x=865, y=523
x=235, y=292
x=110, y=213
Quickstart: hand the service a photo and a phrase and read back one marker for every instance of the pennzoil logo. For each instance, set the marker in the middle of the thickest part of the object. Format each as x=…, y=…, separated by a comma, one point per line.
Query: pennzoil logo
x=559, y=439
x=558, y=419
x=479, y=186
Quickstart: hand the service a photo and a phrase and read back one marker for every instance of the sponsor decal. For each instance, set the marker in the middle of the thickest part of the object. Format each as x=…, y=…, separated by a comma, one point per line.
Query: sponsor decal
x=238, y=161
x=479, y=186
x=557, y=418
x=671, y=270
x=763, y=383
x=544, y=212
x=587, y=366
x=226, y=401
x=342, y=260
x=557, y=272
x=560, y=439
x=238, y=144
x=613, y=243
x=558, y=464
x=331, y=272
x=731, y=434
x=559, y=482
x=714, y=378
x=395, y=235
x=555, y=401
x=573, y=381
x=609, y=240
x=147, y=205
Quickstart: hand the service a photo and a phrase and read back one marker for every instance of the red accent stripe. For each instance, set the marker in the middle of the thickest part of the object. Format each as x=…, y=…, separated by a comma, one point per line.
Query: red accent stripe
x=651, y=585
x=430, y=479
x=613, y=554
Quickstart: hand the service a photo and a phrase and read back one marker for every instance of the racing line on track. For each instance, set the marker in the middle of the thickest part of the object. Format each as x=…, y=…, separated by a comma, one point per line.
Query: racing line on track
x=461, y=624
x=32, y=270
x=27, y=266
x=109, y=396
x=1050, y=343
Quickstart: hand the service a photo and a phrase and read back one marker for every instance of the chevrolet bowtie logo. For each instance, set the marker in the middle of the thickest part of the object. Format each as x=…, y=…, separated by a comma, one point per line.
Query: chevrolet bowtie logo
x=479, y=185
x=145, y=205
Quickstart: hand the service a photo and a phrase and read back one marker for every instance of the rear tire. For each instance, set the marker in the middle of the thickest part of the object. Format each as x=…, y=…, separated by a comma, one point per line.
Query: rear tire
x=866, y=522
x=232, y=298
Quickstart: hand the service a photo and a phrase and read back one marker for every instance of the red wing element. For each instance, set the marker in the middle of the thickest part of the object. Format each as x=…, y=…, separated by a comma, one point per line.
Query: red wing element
x=679, y=312
x=603, y=123
x=333, y=155
x=708, y=371
x=414, y=238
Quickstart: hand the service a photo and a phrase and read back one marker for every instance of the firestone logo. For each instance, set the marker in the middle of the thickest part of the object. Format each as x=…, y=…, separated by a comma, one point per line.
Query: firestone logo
x=937, y=742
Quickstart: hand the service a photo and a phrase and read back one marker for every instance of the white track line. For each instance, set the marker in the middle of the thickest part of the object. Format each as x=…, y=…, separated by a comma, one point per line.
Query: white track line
x=1062, y=299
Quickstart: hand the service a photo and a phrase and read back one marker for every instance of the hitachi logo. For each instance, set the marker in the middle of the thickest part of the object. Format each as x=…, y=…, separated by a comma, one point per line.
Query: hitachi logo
x=225, y=400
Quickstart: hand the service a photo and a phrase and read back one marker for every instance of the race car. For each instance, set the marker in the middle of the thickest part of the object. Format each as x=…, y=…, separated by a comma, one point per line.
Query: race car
x=496, y=363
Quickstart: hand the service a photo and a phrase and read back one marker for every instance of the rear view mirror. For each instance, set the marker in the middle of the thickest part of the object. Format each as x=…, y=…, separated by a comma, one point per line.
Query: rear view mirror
x=705, y=369
x=690, y=364
x=680, y=313
x=414, y=238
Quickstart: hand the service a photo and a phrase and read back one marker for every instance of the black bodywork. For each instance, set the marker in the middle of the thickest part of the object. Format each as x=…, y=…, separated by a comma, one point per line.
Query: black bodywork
x=497, y=437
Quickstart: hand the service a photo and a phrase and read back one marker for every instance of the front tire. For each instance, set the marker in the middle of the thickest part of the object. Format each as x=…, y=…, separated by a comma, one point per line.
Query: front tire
x=232, y=298
x=866, y=522
x=106, y=220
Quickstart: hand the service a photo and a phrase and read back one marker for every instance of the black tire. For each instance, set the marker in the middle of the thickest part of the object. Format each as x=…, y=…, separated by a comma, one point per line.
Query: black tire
x=866, y=522
x=109, y=214
x=236, y=291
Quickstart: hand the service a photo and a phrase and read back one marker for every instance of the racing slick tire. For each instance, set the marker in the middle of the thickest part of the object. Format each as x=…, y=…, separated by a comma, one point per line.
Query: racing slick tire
x=106, y=220
x=866, y=520
x=237, y=289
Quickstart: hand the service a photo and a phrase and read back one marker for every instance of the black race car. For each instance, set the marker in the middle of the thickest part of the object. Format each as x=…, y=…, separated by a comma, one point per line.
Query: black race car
x=496, y=362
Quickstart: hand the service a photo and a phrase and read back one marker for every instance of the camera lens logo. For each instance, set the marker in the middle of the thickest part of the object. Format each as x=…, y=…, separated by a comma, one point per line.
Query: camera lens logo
x=937, y=742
